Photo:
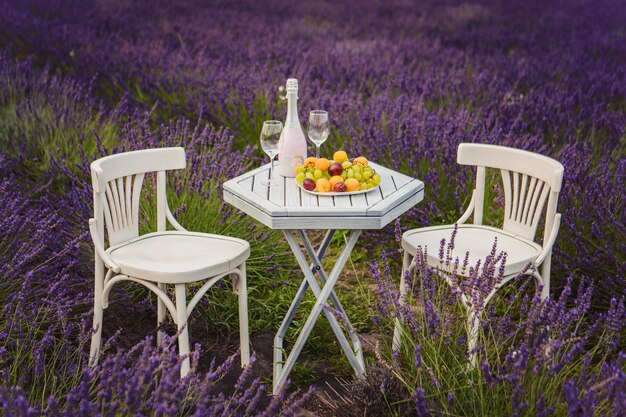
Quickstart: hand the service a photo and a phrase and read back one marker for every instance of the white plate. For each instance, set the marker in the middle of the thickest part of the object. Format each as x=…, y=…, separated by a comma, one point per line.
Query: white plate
x=334, y=193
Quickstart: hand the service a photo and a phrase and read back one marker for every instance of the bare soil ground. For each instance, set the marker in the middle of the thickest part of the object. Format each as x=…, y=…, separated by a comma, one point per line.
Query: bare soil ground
x=329, y=389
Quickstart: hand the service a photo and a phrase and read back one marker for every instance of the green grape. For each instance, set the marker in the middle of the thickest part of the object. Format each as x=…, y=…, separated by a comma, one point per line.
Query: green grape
x=376, y=178
x=344, y=174
x=300, y=177
x=310, y=169
x=363, y=186
x=309, y=176
x=367, y=174
x=317, y=174
x=300, y=169
x=358, y=176
x=350, y=173
x=346, y=164
x=356, y=168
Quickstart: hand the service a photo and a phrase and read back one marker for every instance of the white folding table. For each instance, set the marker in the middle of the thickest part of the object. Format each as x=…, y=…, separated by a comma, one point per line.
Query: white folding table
x=286, y=207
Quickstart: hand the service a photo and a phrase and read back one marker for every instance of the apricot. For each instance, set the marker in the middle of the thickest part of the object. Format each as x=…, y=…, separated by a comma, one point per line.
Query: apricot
x=352, y=184
x=340, y=156
x=310, y=161
x=322, y=164
x=322, y=185
x=334, y=180
x=361, y=160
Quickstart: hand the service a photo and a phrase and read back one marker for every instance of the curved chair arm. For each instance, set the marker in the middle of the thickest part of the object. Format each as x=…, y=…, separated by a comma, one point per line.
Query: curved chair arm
x=171, y=219
x=547, y=247
x=469, y=210
x=95, y=237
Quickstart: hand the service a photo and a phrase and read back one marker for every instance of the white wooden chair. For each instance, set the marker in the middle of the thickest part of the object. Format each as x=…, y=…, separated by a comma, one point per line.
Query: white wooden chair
x=529, y=180
x=156, y=260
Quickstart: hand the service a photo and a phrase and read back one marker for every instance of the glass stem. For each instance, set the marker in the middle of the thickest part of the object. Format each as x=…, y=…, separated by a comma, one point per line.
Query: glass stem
x=317, y=151
x=271, y=169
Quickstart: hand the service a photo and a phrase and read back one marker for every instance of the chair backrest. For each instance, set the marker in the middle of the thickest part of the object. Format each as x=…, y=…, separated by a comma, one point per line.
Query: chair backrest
x=529, y=179
x=117, y=182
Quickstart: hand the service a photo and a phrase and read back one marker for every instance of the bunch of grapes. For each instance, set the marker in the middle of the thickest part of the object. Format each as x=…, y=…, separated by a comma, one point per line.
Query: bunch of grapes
x=339, y=175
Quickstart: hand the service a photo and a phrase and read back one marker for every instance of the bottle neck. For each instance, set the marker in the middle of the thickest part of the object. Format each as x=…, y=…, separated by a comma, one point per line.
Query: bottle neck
x=292, y=109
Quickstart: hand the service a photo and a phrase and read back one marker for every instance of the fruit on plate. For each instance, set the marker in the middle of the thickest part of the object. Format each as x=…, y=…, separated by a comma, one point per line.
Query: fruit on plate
x=322, y=185
x=340, y=156
x=322, y=164
x=340, y=174
x=361, y=160
x=334, y=180
x=308, y=184
x=335, y=168
x=340, y=187
x=352, y=184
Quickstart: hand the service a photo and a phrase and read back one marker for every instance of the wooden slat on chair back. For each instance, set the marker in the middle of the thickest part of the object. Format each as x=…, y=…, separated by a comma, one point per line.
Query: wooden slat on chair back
x=117, y=183
x=524, y=200
x=529, y=180
x=121, y=207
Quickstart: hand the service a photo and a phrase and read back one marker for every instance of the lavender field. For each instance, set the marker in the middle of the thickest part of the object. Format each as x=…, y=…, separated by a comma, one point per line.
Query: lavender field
x=404, y=82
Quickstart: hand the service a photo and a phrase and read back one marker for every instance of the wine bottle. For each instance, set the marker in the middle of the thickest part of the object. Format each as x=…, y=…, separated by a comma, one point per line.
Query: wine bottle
x=292, y=142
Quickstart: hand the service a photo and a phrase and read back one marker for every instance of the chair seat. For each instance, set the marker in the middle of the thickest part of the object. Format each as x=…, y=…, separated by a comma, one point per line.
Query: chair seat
x=477, y=240
x=178, y=257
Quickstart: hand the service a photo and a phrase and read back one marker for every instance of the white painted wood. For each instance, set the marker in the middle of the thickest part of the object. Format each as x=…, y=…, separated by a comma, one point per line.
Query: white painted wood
x=528, y=181
x=303, y=210
x=342, y=201
x=325, y=201
x=121, y=165
x=250, y=209
x=277, y=190
x=387, y=186
x=546, y=169
x=308, y=199
x=389, y=203
x=246, y=182
x=155, y=259
x=293, y=194
x=258, y=188
x=288, y=207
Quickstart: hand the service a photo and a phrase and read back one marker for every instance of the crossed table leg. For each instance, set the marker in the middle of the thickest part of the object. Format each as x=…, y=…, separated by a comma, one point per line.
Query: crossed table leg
x=354, y=352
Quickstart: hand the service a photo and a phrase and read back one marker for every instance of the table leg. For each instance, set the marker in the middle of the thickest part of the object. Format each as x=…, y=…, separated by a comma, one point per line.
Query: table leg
x=319, y=269
x=295, y=304
x=281, y=371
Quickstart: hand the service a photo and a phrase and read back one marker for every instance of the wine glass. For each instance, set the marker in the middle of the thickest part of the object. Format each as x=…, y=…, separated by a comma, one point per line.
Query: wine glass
x=270, y=136
x=319, y=128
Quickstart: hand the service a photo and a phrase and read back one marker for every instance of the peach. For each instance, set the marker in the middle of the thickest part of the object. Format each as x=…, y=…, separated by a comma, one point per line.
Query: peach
x=361, y=160
x=352, y=184
x=322, y=185
x=334, y=180
x=322, y=164
x=340, y=156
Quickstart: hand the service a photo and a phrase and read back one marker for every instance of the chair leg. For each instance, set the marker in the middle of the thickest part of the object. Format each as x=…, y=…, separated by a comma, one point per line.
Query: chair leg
x=98, y=313
x=161, y=313
x=183, y=331
x=545, y=276
x=397, y=331
x=244, y=337
x=473, y=322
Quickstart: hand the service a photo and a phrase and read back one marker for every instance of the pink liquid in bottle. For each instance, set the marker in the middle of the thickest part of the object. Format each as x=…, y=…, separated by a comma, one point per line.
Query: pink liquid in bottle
x=292, y=142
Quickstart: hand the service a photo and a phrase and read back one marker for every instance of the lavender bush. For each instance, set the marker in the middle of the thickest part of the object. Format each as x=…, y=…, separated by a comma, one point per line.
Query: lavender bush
x=46, y=288
x=534, y=357
x=404, y=83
